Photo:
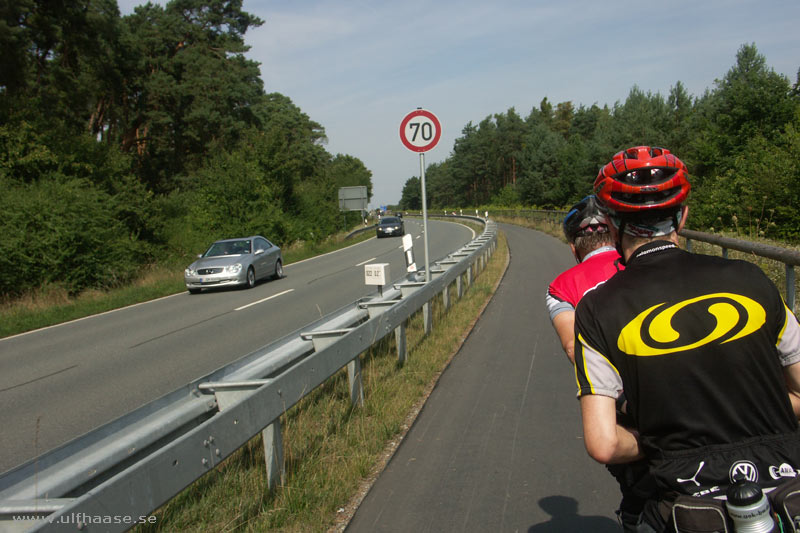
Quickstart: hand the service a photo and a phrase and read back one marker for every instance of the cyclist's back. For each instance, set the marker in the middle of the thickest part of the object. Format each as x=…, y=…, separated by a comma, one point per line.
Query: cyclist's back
x=697, y=356
x=704, y=348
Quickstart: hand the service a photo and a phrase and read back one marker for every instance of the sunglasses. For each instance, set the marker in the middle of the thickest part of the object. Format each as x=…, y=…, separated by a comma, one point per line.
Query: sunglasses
x=645, y=176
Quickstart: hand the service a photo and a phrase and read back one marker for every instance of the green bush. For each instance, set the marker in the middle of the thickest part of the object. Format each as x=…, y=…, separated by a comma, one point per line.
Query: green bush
x=63, y=232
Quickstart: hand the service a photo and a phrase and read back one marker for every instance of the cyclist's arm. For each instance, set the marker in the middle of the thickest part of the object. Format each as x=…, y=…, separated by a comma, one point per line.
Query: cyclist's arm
x=605, y=440
x=564, y=324
x=792, y=375
x=789, y=352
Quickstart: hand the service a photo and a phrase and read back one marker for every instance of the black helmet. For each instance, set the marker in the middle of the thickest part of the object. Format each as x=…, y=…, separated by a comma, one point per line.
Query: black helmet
x=584, y=218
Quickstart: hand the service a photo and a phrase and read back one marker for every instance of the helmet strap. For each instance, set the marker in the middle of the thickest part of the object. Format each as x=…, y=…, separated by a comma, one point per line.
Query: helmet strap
x=574, y=252
x=618, y=241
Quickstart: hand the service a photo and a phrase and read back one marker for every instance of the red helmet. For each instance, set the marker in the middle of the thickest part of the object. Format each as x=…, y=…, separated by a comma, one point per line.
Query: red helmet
x=642, y=179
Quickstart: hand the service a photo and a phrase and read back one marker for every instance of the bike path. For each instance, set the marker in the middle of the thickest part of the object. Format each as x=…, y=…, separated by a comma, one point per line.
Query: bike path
x=498, y=445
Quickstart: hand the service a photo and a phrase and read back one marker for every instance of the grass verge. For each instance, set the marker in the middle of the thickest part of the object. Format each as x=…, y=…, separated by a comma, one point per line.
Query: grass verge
x=775, y=270
x=333, y=451
x=53, y=305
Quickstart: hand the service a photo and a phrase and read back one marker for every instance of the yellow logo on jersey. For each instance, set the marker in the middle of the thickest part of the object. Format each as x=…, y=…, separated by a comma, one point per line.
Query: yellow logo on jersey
x=657, y=325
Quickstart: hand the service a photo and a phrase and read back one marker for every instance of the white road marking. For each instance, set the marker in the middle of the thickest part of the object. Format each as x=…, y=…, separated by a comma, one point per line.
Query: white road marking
x=365, y=262
x=263, y=300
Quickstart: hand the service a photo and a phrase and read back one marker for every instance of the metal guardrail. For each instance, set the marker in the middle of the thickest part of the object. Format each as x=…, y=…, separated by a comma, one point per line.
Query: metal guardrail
x=115, y=476
x=790, y=258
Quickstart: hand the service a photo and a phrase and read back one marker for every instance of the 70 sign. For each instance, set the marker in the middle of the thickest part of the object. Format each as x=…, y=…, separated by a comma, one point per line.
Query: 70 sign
x=420, y=131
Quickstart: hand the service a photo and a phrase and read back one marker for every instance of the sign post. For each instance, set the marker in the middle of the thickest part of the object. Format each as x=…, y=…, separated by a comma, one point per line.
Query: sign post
x=352, y=199
x=420, y=131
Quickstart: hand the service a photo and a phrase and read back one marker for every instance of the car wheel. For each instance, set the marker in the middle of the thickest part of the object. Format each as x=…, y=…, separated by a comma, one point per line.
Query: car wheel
x=251, y=278
x=194, y=291
x=278, y=269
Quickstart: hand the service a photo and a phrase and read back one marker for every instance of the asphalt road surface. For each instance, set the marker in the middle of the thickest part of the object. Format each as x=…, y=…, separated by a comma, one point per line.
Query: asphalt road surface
x=60, y=382
x=498, y=445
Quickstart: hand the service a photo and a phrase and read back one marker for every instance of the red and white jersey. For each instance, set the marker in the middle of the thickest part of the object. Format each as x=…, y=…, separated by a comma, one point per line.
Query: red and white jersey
x=569, y=287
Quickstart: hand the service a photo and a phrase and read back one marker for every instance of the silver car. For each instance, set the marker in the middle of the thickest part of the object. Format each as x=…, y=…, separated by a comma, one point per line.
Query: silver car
x=234, y=262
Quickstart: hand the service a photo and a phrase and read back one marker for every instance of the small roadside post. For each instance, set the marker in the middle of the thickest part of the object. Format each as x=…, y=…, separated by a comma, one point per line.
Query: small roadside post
x=377, y=274
x=408, y=251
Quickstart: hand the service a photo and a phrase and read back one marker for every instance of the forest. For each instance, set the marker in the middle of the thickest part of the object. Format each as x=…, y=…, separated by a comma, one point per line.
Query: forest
x=132, y=140
x=740, y=141
x=129, y=141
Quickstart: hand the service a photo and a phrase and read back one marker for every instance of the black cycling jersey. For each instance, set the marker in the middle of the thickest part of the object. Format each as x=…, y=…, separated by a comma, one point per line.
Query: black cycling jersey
x=698, y=343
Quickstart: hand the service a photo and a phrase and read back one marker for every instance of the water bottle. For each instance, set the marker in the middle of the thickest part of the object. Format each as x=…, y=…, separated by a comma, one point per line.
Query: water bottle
x=749, y=508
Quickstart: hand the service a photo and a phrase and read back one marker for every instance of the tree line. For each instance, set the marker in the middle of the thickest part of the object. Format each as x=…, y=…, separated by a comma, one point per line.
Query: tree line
x=740, y=141
x=137, y=139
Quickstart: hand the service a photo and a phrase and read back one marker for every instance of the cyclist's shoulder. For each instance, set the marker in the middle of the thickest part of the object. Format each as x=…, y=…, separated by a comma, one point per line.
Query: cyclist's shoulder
x=735, y=270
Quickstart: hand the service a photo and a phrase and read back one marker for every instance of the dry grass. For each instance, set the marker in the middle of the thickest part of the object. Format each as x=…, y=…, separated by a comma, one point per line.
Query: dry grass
x=545, y=225
x=52, y=304
x=775, y=270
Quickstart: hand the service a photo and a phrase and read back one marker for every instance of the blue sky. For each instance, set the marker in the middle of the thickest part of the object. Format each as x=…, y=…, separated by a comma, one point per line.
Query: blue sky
x=358, y=67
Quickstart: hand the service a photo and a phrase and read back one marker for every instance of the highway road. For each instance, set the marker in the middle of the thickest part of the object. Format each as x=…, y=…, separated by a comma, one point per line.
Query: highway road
x=60, y=382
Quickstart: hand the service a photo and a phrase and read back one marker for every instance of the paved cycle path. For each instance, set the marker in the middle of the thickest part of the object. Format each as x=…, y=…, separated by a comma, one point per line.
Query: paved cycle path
x=498, y=445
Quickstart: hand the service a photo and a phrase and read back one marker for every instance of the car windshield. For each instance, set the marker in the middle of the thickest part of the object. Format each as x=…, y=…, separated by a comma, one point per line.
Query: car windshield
x=228, y=248
x=390, y=220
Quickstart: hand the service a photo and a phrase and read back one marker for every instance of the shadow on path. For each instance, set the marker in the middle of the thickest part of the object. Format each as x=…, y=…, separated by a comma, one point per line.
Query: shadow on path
x=565, y=518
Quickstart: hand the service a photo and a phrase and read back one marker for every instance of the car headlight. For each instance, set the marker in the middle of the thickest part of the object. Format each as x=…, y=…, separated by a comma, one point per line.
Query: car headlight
x=188, y=271
x=234, y=269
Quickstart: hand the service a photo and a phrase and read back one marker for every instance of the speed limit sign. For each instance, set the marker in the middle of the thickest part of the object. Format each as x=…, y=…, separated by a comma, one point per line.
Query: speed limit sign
x=420, y=131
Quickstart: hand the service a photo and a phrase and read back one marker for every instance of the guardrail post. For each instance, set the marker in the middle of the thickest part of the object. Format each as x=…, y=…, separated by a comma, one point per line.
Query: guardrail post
x=323, y=339
x=273, y=453
x=230, y=393
x=724, y=252
x=427, y=319
x=354, y=379
x=469, y=275
x=400, y=340
x=460, y=286
x=790, y=286
x=446, y=297
x=689, y=245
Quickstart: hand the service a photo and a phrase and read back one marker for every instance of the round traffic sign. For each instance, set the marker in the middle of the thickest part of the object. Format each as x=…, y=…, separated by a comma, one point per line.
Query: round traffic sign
x=420, y=130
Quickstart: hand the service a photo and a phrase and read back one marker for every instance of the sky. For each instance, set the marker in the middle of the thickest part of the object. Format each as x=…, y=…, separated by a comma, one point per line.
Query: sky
x=359, y=67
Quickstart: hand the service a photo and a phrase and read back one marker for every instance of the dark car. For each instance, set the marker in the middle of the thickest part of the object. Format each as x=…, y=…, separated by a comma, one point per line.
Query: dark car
x=234, y=262
x=390, y=227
